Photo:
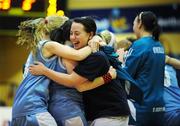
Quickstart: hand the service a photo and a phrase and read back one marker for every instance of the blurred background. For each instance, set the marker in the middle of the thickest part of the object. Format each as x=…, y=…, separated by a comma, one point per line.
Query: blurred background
x=114, y=15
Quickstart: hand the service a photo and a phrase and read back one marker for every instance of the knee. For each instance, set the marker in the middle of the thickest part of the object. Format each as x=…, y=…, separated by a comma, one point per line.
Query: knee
x=75, y=121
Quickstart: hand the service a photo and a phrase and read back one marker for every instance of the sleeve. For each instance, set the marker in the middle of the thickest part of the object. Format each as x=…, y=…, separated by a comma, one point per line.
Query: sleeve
x=93, y=66
x=133, y=60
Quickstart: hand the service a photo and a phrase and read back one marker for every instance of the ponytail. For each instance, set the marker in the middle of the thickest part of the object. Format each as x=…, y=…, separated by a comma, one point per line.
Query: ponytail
x=27, y=33
x=62, y=33
x=156, y=32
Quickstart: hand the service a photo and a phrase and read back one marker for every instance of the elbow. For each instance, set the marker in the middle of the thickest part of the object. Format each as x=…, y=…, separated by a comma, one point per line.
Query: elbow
x=79, y=88
x=79, y=58
x=76, y=57
x=71, y=85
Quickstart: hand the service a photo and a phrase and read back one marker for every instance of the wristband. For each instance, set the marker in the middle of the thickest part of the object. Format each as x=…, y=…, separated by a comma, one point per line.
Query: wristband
x=107, y=78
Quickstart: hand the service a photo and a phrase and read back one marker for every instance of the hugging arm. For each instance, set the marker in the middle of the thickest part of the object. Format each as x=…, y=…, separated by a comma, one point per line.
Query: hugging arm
x=64, y=51
x=87, y=85
x=173, y=61
x=55, y=48
x=70, y=80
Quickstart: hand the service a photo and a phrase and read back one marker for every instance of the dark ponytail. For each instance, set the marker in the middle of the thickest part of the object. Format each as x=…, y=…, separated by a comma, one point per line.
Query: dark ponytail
x=57, y=35
x=62, y=33
x=156, y=32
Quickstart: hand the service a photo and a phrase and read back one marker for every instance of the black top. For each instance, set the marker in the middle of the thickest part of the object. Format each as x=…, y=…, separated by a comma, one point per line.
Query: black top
x=106, y=100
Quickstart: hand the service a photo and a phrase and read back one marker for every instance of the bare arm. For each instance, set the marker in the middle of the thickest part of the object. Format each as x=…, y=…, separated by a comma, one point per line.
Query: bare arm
x=88, y=85
x=173, y=61
x=70, y=80
x=54, y=48
x=69, y=65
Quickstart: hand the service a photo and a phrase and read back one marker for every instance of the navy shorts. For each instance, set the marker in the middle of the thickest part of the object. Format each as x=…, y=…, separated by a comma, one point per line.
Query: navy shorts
x=149, y=118
x=172, y=118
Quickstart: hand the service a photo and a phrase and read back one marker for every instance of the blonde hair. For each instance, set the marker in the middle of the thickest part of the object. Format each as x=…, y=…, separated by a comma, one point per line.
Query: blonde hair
x=124, y=43
x=50, y=23
x=31, y=31
x=108, y=37
x=26, y=34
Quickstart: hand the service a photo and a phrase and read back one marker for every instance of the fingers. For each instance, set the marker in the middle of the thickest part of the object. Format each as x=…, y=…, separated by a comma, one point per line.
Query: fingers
x=113, y=72
x=94, y=43
x=94, y=46
x=102, y=43
x=37, y=63
x=89, y=43
x=31, y=67
x=33, y=70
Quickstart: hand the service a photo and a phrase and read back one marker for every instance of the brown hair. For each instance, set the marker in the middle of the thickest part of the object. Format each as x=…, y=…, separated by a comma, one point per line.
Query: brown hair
x=124, y=43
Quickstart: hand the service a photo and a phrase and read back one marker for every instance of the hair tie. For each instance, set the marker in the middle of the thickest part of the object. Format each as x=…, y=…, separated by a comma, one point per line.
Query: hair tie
x=45, y=21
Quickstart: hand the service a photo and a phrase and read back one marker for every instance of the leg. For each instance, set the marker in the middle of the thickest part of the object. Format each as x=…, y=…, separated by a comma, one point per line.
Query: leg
x=40, y=119
x=76, y=120
x=111, y=121
x=45, y=119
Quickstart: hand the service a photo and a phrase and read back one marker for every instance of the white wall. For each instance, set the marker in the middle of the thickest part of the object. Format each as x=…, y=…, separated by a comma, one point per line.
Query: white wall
x=5, y=115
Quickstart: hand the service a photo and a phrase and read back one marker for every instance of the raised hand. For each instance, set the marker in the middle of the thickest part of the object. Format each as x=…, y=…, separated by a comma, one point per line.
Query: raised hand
x=113, y=72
